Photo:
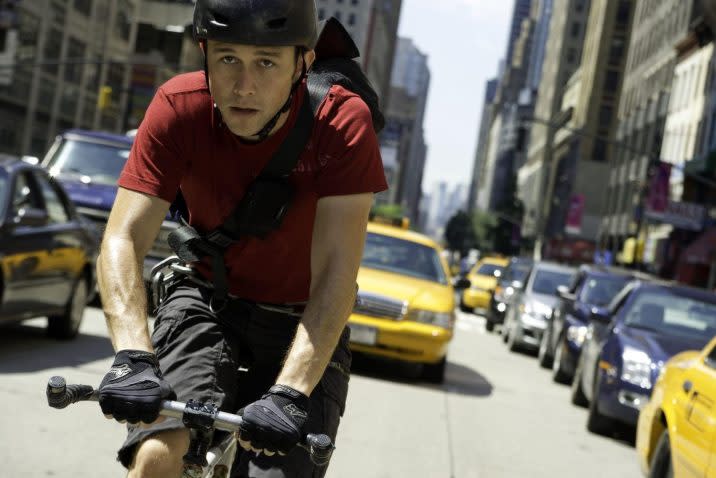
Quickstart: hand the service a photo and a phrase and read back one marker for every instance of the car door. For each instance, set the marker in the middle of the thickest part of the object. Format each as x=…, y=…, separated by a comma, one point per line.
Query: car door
x=25, y=245
x=696, y=421
x=565, y=307
x=67, y=254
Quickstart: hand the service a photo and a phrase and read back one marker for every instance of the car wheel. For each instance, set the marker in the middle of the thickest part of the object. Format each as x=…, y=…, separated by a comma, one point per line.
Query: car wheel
x=465, y=308
x=578, y=397
x=512, y=339
x=558, y=373
x=661, y=465
x=67, y=325
x=596, y=422
x=489, y=326
x=435, y=372
x=543, y=356
x=504, y=330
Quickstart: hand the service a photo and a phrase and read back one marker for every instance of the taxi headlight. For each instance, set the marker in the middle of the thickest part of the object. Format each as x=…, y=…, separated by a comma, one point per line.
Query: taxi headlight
x=445, y=320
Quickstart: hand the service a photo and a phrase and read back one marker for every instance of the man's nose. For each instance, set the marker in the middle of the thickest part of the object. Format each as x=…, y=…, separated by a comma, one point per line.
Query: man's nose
x=244, y=85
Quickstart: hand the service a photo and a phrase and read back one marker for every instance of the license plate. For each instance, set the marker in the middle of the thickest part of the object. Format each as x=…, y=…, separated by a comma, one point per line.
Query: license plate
x=361, y=334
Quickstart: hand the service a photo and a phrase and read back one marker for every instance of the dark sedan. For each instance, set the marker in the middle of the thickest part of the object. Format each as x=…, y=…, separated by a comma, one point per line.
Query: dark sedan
x=628, y=343
x=48, y=252
x=593, y=286
x=512, y=280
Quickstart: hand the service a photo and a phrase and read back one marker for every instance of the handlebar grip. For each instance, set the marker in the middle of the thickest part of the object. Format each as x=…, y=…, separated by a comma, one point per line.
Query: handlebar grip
x=320, y=448
x=59, y=395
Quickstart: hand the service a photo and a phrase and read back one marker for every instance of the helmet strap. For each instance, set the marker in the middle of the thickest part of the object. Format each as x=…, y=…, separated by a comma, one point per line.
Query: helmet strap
x=268, y=127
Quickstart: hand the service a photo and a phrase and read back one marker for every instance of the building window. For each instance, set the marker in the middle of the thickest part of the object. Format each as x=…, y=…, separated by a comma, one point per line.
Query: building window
x=352, y=19
x=605, y=116
x=571, y=55
x=122, y=23
x=338, y=16
x=576, y=29
x=83, y=6
x=53, y=45
x=623, y=13
x=321, y=14
x=3, y=36
x=611, y=81
x=616, y=53
x=354, y=2
x=75, y=52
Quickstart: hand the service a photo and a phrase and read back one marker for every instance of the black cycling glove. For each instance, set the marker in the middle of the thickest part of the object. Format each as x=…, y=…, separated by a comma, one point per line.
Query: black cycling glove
x=275, y=422
x=134, y=387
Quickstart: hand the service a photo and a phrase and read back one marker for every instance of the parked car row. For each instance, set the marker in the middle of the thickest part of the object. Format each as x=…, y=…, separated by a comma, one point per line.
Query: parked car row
x=637, y=351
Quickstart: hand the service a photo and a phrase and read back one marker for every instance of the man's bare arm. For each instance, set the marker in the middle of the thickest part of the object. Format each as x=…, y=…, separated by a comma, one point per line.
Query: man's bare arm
x=336, y=252
x=133, y=226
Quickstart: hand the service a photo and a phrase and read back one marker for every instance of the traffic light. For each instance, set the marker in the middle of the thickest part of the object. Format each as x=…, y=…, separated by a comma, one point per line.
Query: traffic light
x=104, y=100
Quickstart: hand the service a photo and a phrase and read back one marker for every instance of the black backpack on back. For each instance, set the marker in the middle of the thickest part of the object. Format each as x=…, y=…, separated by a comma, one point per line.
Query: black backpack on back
x=268, y=198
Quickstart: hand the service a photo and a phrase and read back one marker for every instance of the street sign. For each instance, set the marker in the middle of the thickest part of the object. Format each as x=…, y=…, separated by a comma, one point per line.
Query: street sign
x=684, y=215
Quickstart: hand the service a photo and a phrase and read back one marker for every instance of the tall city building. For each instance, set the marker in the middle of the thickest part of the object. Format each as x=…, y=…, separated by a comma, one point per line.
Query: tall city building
x=643, y=108
x=562, y=58
x=403, y=134
x=373, y=25
x=62, y=52
x=520, y=11
x=482, y=141
x=581, y=152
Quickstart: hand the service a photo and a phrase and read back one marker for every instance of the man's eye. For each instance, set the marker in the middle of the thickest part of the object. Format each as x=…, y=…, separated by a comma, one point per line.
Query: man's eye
x=266, y=63
x=228, y=60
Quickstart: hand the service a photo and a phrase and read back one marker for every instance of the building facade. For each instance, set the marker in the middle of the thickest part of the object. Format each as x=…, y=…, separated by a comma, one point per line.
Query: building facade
x=561, y=59
x=482, y=142
x=581, y=151
x=643, y=107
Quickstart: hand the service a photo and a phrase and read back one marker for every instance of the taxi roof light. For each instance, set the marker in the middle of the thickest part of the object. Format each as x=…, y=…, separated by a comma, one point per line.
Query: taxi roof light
x=401, y=222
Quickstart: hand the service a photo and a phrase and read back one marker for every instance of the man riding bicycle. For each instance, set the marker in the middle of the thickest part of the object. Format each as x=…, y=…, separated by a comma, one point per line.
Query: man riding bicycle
x=275, y=306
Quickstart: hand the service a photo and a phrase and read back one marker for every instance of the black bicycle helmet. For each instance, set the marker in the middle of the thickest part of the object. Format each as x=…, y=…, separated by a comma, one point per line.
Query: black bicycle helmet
x=257, y=22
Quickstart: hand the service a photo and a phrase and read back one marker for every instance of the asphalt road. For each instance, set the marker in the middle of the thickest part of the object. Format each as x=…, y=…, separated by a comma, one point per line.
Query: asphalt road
x=497, y=415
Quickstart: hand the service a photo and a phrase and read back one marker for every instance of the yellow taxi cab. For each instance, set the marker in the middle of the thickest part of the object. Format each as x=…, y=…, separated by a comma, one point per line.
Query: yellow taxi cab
x=483, y=279
x=676, y=432
x=405, y=308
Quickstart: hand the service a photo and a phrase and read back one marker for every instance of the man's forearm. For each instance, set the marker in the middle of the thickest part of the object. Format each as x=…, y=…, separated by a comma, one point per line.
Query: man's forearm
x=318, y=332
x=124, y=299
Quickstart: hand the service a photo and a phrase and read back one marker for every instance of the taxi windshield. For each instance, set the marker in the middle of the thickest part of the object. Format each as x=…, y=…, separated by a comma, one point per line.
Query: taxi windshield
x=403, y=257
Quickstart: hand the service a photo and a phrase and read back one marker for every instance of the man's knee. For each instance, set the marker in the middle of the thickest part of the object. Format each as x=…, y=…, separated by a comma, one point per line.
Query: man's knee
x=160, y=455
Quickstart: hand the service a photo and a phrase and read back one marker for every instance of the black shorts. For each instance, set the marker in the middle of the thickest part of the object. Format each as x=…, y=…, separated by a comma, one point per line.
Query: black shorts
x=200, y=354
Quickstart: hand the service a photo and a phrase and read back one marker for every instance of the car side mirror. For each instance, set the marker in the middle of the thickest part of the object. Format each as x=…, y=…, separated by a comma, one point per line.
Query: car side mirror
x=563, y=292
x=31, y=217
x=600, y=315
x=462, y=283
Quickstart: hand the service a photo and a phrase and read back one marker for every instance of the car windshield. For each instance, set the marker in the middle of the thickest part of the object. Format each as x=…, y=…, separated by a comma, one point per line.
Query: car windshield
x=515, y=272
x=403, y=257
x=673, y=314
x=489, y=270
x=601, y=290
x=547, y=281
x=99, y=163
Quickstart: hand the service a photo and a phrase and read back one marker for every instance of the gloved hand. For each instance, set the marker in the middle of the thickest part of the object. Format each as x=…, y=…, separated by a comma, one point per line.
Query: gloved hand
x=134, y=387
x=275, y=423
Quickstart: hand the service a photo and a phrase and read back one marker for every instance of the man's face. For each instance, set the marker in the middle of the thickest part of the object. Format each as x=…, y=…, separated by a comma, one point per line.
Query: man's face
x=250, y=83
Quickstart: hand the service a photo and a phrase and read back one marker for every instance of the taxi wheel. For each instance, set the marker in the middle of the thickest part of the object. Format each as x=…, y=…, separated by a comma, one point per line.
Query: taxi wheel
x=67, y=325
x=489, y=326
x=435, y=372
x=661, y=465
x=465, y=308
x=512, y=343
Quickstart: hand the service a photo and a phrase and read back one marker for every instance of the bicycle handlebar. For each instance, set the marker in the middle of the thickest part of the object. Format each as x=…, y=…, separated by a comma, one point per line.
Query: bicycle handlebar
x=60, y=395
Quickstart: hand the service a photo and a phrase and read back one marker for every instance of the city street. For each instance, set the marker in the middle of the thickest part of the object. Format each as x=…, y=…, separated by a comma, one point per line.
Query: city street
x=498, y=415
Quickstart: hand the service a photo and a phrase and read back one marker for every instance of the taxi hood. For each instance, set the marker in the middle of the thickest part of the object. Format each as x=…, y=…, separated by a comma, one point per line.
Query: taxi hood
x=419, y=293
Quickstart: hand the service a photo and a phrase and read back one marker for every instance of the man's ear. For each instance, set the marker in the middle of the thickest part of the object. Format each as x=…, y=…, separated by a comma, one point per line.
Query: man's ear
x=308, y=56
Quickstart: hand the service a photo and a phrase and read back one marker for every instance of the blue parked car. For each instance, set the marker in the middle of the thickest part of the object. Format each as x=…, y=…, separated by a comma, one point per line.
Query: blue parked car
x=88, y=164
x=628, y=343
x=593, y=286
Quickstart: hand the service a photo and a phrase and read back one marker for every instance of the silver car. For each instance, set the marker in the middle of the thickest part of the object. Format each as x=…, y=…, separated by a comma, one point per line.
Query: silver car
x=527, y=316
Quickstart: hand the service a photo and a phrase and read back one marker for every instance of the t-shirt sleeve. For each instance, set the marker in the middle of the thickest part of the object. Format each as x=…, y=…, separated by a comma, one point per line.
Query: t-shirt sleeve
x=156, y=163
x=349, y=156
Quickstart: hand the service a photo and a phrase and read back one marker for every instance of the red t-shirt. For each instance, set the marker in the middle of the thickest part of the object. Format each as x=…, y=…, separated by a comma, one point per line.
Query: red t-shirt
x=182, y=144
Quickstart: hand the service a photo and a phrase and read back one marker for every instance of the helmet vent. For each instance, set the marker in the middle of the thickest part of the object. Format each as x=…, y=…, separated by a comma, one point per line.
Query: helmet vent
x=219, y=20
x=277, y=23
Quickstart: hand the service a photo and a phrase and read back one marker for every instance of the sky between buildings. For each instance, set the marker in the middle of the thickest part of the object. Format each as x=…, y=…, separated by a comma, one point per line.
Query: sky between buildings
x=464, y=41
